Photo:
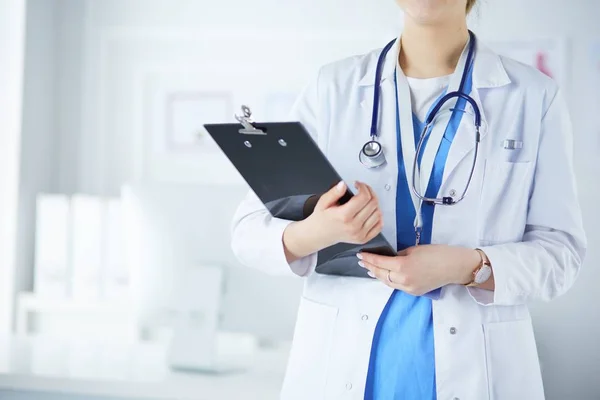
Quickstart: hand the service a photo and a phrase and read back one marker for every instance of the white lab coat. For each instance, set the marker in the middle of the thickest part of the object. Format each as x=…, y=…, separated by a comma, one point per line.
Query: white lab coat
x=521, y=209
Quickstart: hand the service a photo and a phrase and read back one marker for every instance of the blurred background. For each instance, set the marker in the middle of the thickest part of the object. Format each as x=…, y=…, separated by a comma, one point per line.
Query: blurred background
x=116, y=276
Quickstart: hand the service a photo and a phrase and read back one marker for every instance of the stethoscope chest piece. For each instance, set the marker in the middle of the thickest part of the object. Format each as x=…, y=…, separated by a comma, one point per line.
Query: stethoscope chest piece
x=371, y=155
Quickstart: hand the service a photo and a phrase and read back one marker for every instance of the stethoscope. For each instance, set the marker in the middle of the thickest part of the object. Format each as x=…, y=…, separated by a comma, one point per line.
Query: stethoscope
x=372, y=155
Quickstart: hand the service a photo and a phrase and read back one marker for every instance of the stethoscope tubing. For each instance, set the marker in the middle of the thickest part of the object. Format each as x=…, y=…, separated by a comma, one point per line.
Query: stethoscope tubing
x=376, y=160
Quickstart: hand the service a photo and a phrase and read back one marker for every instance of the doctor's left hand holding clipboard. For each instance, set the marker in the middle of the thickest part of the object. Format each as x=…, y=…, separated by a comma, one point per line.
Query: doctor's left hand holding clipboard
x=288, y=172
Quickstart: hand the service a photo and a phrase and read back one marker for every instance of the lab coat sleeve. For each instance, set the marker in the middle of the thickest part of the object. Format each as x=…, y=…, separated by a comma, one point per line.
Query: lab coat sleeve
x=547, y=261
x=257, y=237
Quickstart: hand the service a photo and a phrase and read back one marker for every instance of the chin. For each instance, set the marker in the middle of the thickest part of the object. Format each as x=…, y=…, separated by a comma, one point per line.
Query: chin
x=425, y=19
x=429, y=12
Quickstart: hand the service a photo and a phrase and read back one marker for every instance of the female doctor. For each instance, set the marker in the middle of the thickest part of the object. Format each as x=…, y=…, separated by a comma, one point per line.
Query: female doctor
x=486, y=189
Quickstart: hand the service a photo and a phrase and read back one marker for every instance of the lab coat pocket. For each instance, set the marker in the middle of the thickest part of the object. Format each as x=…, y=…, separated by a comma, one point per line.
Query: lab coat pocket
x=308, y=362
x=512, y=361
x=504, y=200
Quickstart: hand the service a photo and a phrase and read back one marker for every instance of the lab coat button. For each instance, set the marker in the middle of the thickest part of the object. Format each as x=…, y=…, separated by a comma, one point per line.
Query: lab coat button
x=387, y=187
x=348, y=386
x=453, y=331
x=365, y=317
x=452, y=193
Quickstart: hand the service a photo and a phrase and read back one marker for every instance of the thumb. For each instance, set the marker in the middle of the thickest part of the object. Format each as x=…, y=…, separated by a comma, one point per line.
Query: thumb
x=330, y=198
x=407, y=251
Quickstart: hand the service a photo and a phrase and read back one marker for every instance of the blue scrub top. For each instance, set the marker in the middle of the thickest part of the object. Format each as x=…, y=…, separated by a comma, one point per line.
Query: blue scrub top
x=402, y=365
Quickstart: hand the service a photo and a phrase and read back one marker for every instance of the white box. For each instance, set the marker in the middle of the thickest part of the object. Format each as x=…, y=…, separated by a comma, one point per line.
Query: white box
x=86, y=254
x=51, y=275
x=195, y=306
x=115, y=275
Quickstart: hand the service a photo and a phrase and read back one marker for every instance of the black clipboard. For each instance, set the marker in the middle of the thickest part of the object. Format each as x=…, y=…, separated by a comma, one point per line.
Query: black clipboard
x=287, y=170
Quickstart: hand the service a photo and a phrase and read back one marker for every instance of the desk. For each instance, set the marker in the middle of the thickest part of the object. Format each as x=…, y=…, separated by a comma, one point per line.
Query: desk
x=128, y=371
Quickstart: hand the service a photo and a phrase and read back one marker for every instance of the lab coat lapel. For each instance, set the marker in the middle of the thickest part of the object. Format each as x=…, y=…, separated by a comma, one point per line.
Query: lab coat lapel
x=488, y=74
x=436, y=134
x=387, y=138
x=386, y=123
x=390, y=145
x=464, y=140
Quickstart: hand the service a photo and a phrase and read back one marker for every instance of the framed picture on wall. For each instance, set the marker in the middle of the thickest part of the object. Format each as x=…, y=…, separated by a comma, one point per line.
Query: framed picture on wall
x=186, y=112
x=172, y=143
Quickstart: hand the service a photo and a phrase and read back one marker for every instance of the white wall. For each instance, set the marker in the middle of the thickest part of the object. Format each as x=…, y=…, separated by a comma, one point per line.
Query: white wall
x=129, y=50
x=69, y=48
x=133, y=50
x=567, y=329
x=39, y=145
x=12, y=24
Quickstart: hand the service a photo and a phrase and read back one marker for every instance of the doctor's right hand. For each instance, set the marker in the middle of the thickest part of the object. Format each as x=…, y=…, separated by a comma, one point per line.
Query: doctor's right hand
x=356, y=222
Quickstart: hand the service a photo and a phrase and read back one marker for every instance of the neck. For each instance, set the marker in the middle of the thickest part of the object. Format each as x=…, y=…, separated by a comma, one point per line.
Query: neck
x=430, y=51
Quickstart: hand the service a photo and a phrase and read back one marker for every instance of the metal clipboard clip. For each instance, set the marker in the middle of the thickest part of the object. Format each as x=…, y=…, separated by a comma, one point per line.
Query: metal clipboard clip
x=246, y=121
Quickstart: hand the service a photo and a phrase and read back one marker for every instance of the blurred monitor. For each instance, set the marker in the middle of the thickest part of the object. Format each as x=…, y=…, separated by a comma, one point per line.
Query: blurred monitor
x=173, y=226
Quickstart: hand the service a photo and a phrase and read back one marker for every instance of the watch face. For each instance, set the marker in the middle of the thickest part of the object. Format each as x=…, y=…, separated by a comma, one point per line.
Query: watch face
x=483, y=275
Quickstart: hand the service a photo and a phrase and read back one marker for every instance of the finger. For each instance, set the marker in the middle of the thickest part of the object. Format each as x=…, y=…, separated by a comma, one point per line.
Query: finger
x=366, y=213
x=331, y=197
x=376, y=272
x=373, y=226
x=407, y=251
x=372, y=192
x=363, y=198
x=358, y=202
x=385, y=262
x=379, y=273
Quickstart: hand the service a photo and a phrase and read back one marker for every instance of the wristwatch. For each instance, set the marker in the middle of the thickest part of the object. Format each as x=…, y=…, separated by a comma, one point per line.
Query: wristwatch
x=483, y=271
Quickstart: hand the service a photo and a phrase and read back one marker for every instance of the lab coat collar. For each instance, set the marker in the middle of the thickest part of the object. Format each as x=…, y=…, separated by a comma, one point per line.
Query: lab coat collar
x=488, y=71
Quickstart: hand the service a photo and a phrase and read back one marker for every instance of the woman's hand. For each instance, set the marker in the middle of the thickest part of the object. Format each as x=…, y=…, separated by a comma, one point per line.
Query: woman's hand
x=421, y=269
x=356, y=222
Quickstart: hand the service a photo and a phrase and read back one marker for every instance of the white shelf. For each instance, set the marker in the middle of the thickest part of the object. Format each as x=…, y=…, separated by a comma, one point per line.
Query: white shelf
x=130, y=371
x=39, y=303
x=29, y=303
